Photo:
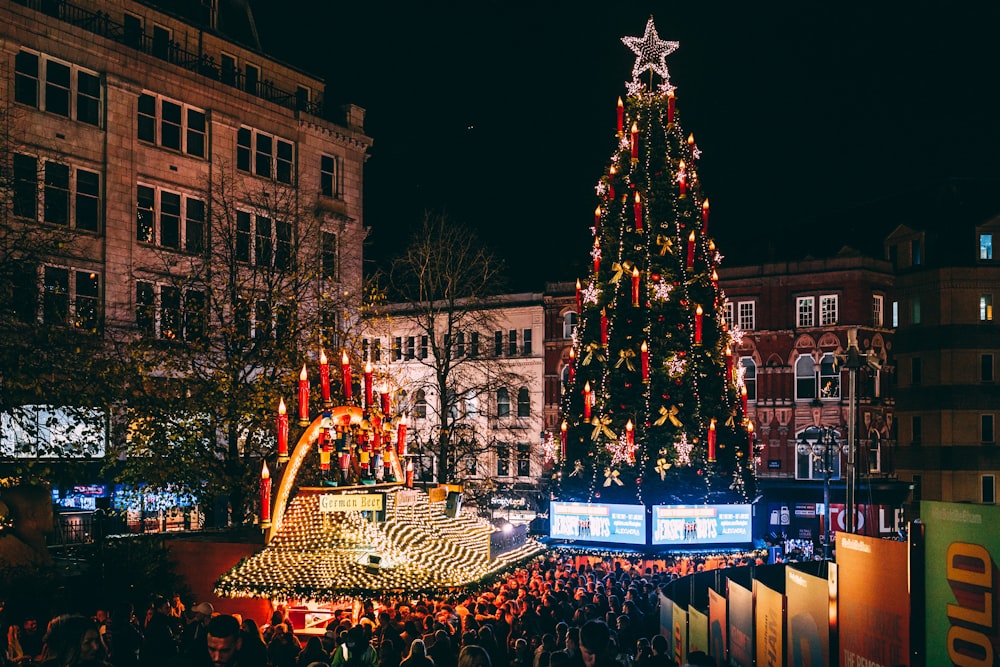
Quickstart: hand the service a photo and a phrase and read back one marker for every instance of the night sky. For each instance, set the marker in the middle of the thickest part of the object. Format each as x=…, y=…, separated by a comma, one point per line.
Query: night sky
x=820, y=124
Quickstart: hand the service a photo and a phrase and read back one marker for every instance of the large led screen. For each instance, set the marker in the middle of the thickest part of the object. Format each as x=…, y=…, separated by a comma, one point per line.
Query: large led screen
x=701, y=524
x=597, y=522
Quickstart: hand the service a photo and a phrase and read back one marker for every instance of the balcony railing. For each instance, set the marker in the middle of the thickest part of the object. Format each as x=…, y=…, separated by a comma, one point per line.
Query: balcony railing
x=101, y=23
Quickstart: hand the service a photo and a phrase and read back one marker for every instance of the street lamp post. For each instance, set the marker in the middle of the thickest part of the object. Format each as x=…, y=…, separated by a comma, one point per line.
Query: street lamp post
x=823, y=449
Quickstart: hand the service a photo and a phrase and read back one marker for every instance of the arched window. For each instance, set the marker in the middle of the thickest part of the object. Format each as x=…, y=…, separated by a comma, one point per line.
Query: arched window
x=805, y=378
x=472, y=406
x=503, y=402
x=565, y=379
x=749, y=377
x=569, y=324
x=420, y=404
x=523, y=402
x=829, y=377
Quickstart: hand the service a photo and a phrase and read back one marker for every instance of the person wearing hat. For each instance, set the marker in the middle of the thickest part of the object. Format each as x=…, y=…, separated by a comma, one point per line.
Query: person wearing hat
x=356, y=651
x=196, y=631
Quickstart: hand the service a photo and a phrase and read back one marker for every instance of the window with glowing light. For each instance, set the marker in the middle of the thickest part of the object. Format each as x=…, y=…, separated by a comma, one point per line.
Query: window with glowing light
x=829, y=377
x=170, y=219
x=569, y=324
x=805, y=308
x=828, y=310
x=986, y=247
x=166, y=311
x=749, y=377
x=986, y=308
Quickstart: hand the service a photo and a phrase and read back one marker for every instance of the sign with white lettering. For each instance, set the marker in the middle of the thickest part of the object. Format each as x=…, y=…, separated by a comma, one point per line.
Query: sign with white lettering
x=702, y=524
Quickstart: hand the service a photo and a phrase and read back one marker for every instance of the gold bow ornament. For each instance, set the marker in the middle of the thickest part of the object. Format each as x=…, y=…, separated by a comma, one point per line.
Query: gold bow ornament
x=665, y=244
x=670, y=414
x=620, y=270
x=592, y=351
x=602, y=425
x=611, y=477
x=625, y=357
x=577, y=468
x=662, y=466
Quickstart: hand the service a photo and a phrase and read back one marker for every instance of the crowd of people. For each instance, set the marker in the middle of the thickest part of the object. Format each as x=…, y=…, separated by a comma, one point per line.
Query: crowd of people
x=558, y=611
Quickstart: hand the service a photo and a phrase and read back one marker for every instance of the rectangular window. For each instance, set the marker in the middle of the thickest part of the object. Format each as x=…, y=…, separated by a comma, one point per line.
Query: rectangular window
x=986, y=308
x=262, y=325
x=512, y=342
x=227, y=69
x=251, y=78
x=730, y=315
x=411, y=347
x=497, y=343
x=397, y=348
x=170, y=313
x=805, y=308
x=265, y=155
x=25, y=193
x=88, y=301
x=170, y=219
x=87, y=206
x=243, y=237
x=916, y=252
x=133, y=31
x=195, y=315
x=503, y=460
x=171, y=124
x=56, y=195
x=57, y=87
x=24, y=292
x=145, y=308
x=915, y=310
x=748, y=315
x=329, y=176
x=526, y=342
x=264, y=244
x=330, y=255
x=916, y=371
x=474, y=345
x=283, y=244
x=161, y=42
x=523, y=459
x=989, y=487
x=55, y=296
x=895, y=314
x=985, y=246
x=986, y=367
x=986, y=428
x=878, y=310
x=916, y=427
x=302, y=95
x=460, y=344
x=423, y=347
x=828, y=311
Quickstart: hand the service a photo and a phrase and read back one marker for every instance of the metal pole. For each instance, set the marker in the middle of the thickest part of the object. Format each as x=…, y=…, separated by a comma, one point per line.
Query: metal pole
x=853, y=363
x=826, y=493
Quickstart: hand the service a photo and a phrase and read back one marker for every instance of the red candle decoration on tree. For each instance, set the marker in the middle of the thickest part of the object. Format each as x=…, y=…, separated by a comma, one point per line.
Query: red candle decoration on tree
x=345, y=375
x=691, y=144
x=612, y=172
x=409, y=473
x=635, y=286
x=579, y=297
x=750, y=438
x=704, y=216
x=303, y=397
x=282, y=432
x=715, y=280
x=265, y=497
x=729, y=364
x=572, y=364
x=369, y=389
x=621, y=116
x=604, y=327
x=562, y=439
x=597, y=255
x=743, y=398
x=690, y=256
x=637, y=210
x=644, y=358
x=597, y=217
x=698, y=315
x=634, y=141
x=385, y=402
x=629, y=433
x=401, y=437
x=587, y=399
x=711, y=441
x=324, y=378
x=682, y=178
x=671, y=104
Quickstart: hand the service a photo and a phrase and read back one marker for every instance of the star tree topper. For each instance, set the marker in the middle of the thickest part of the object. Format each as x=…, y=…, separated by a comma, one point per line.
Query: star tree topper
x=651, y=53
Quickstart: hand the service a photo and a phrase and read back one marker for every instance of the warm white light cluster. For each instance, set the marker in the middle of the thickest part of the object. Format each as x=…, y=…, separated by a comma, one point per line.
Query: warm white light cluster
x=651, y=53
x=322, y=556
x=683, y=448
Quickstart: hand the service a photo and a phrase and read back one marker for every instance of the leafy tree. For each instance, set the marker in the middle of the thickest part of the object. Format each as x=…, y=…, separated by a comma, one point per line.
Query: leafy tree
x=445, y=287
x=225, y=338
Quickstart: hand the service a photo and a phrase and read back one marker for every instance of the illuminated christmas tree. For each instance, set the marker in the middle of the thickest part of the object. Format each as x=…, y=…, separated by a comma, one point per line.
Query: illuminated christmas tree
x=652, y=407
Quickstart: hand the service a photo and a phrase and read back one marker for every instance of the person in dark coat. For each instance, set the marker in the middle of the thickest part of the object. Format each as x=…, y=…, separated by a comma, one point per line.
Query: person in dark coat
x=159, y=645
